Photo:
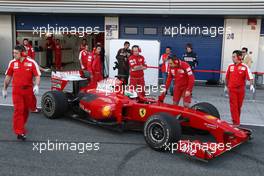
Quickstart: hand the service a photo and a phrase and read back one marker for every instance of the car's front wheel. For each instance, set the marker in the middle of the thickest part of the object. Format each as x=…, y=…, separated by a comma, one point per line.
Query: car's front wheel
x=161, y=130
x=54, y=104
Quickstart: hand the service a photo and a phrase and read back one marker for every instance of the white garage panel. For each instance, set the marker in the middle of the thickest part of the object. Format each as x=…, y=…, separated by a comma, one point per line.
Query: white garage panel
x=150, y=50
x=6, y=41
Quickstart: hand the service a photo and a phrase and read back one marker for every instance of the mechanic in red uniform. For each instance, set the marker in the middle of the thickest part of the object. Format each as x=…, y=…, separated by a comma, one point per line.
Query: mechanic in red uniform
x=97, y=72
x=236, y=76
x=82, y=46
x=137, y=66
x=83, y=57
x=21, y=69
x=58, y=54
x=183, y=81
x=29, y=49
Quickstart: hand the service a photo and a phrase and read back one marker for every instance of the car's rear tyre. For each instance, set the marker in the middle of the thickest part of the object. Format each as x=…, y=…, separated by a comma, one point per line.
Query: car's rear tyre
x=161, y=130
x=207, y=108
x=54, y=104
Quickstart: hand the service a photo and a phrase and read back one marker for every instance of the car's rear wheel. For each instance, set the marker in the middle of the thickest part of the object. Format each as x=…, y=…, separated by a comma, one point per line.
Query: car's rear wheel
x=54, y=104
x=161, y=130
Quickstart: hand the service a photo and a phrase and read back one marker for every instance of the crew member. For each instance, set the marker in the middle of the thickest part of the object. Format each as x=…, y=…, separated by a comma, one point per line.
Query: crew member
x=247, y=59
x=183, y=81
x=49, y=53
x=122, y=61
x=97, y=72
x=236, y=76
x=58, y=54
x=29, y=49
x=164, y=62
x=137, y=66
x=82, y=46
x=83, y=57
x=21, y=70
x=190, y=57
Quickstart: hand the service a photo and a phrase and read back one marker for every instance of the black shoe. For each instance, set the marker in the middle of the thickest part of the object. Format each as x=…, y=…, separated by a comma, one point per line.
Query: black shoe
x=21, y=137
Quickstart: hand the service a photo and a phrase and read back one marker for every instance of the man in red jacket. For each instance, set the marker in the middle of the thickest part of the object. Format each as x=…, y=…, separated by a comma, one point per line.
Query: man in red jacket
x=58, y=54
x=236, y=76
x=83, y=57
x=137, y=66
x=183, y=81
x=29, y=49
x=21, y=70
x=97, y=71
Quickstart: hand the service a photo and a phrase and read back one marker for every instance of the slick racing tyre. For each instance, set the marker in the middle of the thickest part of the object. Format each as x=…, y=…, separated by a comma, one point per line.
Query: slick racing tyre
x=207, y=108
x=161, y=130
x=54, y=104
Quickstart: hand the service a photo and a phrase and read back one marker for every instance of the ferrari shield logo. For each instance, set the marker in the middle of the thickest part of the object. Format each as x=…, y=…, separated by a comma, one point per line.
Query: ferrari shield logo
x=142, y=112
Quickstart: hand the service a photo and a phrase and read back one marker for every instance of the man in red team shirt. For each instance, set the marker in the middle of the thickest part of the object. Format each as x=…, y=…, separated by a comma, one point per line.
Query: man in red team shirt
x=84, y=56
x=97, y=71
x=137, y=66
x=82, y=46
x=21, y=70
x=183, y=81
x=29, y=49
x=236, y=76
x=58, y=54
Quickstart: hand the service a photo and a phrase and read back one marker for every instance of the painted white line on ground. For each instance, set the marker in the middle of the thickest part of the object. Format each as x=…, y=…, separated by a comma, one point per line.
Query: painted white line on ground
x=248, y=124
x=11, y=105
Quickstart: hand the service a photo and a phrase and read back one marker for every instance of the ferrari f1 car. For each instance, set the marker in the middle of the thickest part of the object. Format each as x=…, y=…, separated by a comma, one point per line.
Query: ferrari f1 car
x=105, y=104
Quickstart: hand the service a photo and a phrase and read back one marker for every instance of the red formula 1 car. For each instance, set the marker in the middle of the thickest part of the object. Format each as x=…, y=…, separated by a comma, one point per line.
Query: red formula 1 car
x=107, y=104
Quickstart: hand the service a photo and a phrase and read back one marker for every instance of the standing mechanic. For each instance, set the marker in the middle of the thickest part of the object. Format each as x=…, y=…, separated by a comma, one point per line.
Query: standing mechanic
x=122, y=62
x=137, y=66
x=236, y=76
x=83, y=57
x=29, y=49
x=183, y=81
x=21, y=70
x=58, y=54
x=164, y=62
x=97, y=69
x=82, y=46
x=190, y=57
x=49, y=52
x=247, y=59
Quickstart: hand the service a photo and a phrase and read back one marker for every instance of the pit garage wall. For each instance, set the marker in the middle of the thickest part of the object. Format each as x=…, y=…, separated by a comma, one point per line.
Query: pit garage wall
x=6, y=41
x=241, y=35
x=260, y=62
x=111, y=32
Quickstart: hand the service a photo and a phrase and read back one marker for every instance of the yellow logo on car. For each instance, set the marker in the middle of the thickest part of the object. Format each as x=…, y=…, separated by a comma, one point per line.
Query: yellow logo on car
x=211, y=117
x=142, y=112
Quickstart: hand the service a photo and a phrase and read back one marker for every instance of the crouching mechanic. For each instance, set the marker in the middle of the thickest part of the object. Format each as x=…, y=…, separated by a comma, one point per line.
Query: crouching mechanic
x=183, y=81
x=236, y=76
x=137, y=66
x=21, y=70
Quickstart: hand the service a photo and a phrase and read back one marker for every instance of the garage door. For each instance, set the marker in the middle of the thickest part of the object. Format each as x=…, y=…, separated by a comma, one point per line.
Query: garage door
x=207, y=46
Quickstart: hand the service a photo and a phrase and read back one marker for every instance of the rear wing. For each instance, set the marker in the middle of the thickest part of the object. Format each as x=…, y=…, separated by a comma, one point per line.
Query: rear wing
x=59, y=79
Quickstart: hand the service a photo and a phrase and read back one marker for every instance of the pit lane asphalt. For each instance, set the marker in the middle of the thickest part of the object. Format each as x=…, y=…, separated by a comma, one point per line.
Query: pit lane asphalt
x=119, y=154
